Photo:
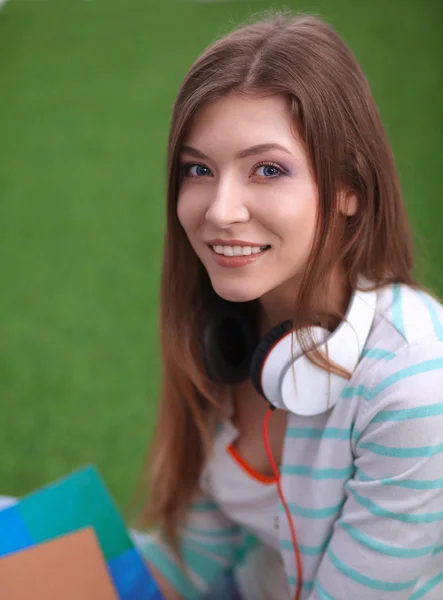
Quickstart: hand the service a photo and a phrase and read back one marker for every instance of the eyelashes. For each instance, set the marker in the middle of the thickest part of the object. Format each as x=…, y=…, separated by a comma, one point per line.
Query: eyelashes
x=273, y=169
x=271, y=165
x=185, y=170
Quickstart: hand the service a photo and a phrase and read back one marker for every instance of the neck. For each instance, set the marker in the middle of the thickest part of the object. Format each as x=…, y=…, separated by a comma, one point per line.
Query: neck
x=278, y=305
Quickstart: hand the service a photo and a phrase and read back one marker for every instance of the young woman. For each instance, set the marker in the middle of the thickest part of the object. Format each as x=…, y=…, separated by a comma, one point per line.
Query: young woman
x=285, y=224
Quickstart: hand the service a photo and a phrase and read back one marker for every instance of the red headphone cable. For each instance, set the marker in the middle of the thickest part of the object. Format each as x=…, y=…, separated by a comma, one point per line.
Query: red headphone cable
x=283, y=501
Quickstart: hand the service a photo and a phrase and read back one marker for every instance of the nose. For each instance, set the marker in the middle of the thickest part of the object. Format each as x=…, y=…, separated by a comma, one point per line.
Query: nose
x=228, y=205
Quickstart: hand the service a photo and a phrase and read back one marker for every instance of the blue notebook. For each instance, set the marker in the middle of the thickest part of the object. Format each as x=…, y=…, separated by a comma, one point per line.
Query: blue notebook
x=67, y=505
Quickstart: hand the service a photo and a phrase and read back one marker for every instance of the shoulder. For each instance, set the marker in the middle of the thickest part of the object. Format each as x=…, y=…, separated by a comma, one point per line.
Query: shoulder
x=406, y=316
x=400, y=415
x=406, y=388
x=402, y=364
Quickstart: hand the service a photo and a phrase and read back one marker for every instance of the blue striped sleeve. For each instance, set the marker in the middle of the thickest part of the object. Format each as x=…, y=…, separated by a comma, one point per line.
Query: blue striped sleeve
x=391, y=524
x=209, y=545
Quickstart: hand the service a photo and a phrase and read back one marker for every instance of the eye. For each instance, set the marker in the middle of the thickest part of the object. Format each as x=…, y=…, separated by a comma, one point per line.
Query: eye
x=195, y=170
x=268, y=170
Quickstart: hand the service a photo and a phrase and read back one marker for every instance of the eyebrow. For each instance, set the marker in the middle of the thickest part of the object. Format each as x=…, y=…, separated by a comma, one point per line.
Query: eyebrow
x=253, y=150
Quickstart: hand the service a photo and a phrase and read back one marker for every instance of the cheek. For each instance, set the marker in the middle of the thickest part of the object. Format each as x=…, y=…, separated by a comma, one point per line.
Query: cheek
x=306, y=211
x=185, y=212
x=191, y=209
x=296, y=221
x=181, y=212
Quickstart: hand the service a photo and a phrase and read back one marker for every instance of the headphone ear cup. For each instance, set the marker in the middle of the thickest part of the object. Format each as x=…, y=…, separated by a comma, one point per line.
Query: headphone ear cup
x=262, y=350
x=229, y=338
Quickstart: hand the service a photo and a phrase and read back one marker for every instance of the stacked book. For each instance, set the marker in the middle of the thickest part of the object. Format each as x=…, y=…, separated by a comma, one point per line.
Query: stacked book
x=67, y=541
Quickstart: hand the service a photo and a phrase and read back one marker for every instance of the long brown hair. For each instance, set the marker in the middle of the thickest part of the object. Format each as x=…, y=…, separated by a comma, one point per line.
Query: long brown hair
x=335, y=116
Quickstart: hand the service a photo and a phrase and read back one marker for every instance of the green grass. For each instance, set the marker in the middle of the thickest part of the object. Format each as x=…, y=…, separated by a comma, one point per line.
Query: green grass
x=86, y=90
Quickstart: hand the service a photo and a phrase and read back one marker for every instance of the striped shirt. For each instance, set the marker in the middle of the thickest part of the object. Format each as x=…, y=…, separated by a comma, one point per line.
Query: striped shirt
x=363, y=481
x=249, y=498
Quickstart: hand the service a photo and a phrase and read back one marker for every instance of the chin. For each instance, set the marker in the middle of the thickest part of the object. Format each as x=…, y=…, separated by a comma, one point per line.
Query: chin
x=235, y=292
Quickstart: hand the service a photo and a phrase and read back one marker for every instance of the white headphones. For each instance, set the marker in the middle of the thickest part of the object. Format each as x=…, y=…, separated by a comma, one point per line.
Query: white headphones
x=277, y=365
x=289, y=380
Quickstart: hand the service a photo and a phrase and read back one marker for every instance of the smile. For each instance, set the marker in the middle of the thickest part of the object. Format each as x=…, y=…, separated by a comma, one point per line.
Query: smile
x=238, y=250
x=234, y=257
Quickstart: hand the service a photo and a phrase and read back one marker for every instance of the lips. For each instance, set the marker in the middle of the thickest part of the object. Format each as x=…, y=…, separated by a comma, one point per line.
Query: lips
x=227, y=258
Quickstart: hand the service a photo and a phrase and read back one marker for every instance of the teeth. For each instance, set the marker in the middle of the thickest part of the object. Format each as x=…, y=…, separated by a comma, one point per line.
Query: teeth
x=238, y=250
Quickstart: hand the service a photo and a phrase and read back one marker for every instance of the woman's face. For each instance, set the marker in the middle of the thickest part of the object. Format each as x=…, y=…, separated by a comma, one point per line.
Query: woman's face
x=247, y=200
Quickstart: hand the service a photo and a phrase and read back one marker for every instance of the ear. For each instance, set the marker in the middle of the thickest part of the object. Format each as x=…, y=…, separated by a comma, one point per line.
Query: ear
x=347, y=203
